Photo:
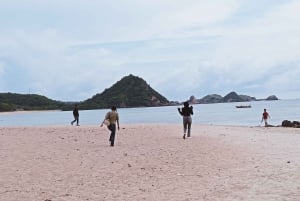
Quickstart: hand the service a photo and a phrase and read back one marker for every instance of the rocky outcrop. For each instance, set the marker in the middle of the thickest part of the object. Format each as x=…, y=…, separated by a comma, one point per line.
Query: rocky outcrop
x=293, y=124
x=247, y=98
x=193, y=100
x=273, y=97
x=212, y=98
x=232, y=97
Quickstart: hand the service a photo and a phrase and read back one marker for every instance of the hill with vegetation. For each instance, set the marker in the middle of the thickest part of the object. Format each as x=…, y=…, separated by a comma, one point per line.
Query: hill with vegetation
x=13, y=102
x=130, y=91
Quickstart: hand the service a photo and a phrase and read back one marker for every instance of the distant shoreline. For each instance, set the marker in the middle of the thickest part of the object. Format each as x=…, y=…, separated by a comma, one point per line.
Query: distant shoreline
x=28, y=111
x=204, y=114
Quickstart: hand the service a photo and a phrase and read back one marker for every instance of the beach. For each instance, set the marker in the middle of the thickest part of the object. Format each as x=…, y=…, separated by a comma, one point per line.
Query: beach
x=149, y=162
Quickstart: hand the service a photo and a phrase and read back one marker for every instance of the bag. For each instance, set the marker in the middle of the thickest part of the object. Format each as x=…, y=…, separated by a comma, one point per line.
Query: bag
x=106, y=122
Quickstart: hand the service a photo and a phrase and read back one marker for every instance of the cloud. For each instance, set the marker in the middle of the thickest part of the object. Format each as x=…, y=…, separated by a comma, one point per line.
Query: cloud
x=2, y=71
x=117, y=20
x=70, y=50
x=268, y=40
x=255, y=50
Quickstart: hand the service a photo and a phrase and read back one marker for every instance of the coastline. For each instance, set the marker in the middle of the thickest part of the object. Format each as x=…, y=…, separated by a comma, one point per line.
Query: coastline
x=28, y=111
x=150, y=162
x=204, y=114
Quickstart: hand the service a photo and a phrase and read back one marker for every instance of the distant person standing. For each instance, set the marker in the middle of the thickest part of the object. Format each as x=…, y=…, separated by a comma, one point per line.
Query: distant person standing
x=111, y=119
x=76, y=115
x=265, y=117
x=186, y=113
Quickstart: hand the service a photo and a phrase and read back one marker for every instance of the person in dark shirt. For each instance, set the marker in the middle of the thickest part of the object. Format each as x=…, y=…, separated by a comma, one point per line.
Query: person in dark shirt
x=76, y=115
x=186, y=113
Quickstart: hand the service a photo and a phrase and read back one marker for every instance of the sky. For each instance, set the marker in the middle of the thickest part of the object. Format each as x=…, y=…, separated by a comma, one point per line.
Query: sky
x=70, y=50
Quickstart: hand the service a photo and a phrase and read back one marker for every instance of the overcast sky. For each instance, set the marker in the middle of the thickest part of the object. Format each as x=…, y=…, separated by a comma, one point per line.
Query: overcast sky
x=70, y=50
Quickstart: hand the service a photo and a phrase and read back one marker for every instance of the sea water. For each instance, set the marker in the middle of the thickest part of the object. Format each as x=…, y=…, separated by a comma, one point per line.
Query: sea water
x=209, y=114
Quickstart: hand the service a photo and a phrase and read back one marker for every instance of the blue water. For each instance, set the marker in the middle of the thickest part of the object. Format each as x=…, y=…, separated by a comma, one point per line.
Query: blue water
x=214, y=114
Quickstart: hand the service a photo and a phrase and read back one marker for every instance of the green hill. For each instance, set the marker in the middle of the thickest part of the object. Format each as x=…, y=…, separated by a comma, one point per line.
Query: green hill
x=130, y=91
x=13, y=102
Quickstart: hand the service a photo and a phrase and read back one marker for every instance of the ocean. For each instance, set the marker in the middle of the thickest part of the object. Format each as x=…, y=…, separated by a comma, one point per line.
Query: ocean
x=206, y=114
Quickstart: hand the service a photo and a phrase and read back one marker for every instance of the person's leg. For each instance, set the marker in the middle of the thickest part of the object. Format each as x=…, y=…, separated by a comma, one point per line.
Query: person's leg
x=185, y=122
x=109, y=128
x=189, y=130
x=77, y=120
x=189, y=124
x=72, y=122
x=112, y=134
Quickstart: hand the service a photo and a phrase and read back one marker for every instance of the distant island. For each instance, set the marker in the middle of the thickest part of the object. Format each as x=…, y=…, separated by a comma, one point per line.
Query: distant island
x=131, y=91
x=230, y=97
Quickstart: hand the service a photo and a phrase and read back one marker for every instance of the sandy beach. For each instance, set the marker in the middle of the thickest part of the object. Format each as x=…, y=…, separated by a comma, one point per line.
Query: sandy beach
x=149, y=162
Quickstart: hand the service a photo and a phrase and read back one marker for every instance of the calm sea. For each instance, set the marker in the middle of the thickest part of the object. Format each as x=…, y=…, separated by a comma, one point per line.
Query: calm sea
x=212, y=114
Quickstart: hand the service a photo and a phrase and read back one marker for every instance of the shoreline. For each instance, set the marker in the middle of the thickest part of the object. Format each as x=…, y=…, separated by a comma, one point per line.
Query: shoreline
x=27, y=111
x=145, y=124
x=150, y=162
x=219, y=114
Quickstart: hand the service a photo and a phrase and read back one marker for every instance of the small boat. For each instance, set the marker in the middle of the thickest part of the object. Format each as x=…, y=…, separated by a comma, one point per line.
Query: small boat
x=243, y=106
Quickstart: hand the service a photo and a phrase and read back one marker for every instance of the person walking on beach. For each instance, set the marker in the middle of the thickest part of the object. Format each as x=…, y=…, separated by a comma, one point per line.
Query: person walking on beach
x=186, y=113
x=76, y=115
x=111, y=119
x=265, y=117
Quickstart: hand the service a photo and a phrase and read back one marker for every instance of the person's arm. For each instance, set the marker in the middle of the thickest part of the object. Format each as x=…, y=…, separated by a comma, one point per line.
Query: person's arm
x=118, y=124
x=191, y=108
x=102, y=122
x=117, y=120
x=180, y=112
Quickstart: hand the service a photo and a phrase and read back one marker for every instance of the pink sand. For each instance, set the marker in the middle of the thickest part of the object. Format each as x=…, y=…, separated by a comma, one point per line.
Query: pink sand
x=149, y=162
